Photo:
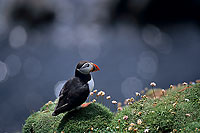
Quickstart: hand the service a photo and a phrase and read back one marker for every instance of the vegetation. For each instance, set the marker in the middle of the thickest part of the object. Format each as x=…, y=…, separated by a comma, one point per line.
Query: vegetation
x=177, y=110
x=95, y=117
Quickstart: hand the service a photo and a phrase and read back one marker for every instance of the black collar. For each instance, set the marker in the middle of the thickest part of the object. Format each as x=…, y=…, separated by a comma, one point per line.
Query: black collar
x=83, y=77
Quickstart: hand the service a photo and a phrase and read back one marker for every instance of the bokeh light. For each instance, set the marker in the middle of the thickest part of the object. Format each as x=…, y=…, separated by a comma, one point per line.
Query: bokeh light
x=3, y=71
x=130, y=85
x=152, y=35
x=157, y=39
x=18, y=37
x=14, y=64
x=58, y=87
x=147, y=65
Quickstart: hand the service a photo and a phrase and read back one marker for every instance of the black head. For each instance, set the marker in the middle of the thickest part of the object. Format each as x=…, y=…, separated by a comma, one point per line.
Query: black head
x=80, y=64
x=84, y=68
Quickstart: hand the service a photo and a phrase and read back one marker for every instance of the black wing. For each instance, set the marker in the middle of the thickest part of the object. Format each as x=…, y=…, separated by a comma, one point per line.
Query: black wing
x=73, y=94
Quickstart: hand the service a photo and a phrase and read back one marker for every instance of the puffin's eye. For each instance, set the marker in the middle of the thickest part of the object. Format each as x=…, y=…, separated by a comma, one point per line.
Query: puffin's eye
x=87, y=65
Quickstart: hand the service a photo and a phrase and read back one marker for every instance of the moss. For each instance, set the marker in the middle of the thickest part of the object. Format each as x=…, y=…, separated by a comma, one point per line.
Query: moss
x=172, y=112
x=95, y=116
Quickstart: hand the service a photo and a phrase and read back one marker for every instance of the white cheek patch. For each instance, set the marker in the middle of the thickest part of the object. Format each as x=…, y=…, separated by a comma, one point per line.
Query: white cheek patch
x=91, y=84
x=85, y=70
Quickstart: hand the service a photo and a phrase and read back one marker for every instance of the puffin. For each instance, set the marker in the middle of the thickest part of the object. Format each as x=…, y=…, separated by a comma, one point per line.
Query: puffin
x=76, y=90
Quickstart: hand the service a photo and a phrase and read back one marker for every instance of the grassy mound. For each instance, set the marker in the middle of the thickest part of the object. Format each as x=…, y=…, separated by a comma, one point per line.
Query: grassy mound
x=95, y=117
x=177, y=110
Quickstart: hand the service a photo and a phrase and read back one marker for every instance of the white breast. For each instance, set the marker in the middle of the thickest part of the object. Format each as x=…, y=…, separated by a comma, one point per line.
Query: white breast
x=91, y=84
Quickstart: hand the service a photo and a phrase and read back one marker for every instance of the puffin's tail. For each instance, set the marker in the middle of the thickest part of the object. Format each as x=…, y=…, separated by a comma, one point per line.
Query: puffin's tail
x=61, y=109
x=54, y=113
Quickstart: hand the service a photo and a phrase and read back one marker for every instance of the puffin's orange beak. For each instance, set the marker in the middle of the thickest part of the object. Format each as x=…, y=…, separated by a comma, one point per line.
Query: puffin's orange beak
x=94, y=68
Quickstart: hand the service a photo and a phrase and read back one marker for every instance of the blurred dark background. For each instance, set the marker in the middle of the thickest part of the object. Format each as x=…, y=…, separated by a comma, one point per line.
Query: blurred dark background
x=134, y=42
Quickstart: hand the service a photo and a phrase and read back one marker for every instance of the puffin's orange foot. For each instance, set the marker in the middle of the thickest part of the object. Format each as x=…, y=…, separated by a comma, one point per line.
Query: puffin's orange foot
x=184, y=88
x=85, y=105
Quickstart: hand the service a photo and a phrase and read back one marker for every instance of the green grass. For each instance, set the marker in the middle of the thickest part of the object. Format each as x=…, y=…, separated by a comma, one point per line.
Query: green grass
x=169, y=113
x=95, y=116
x=177, y=111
